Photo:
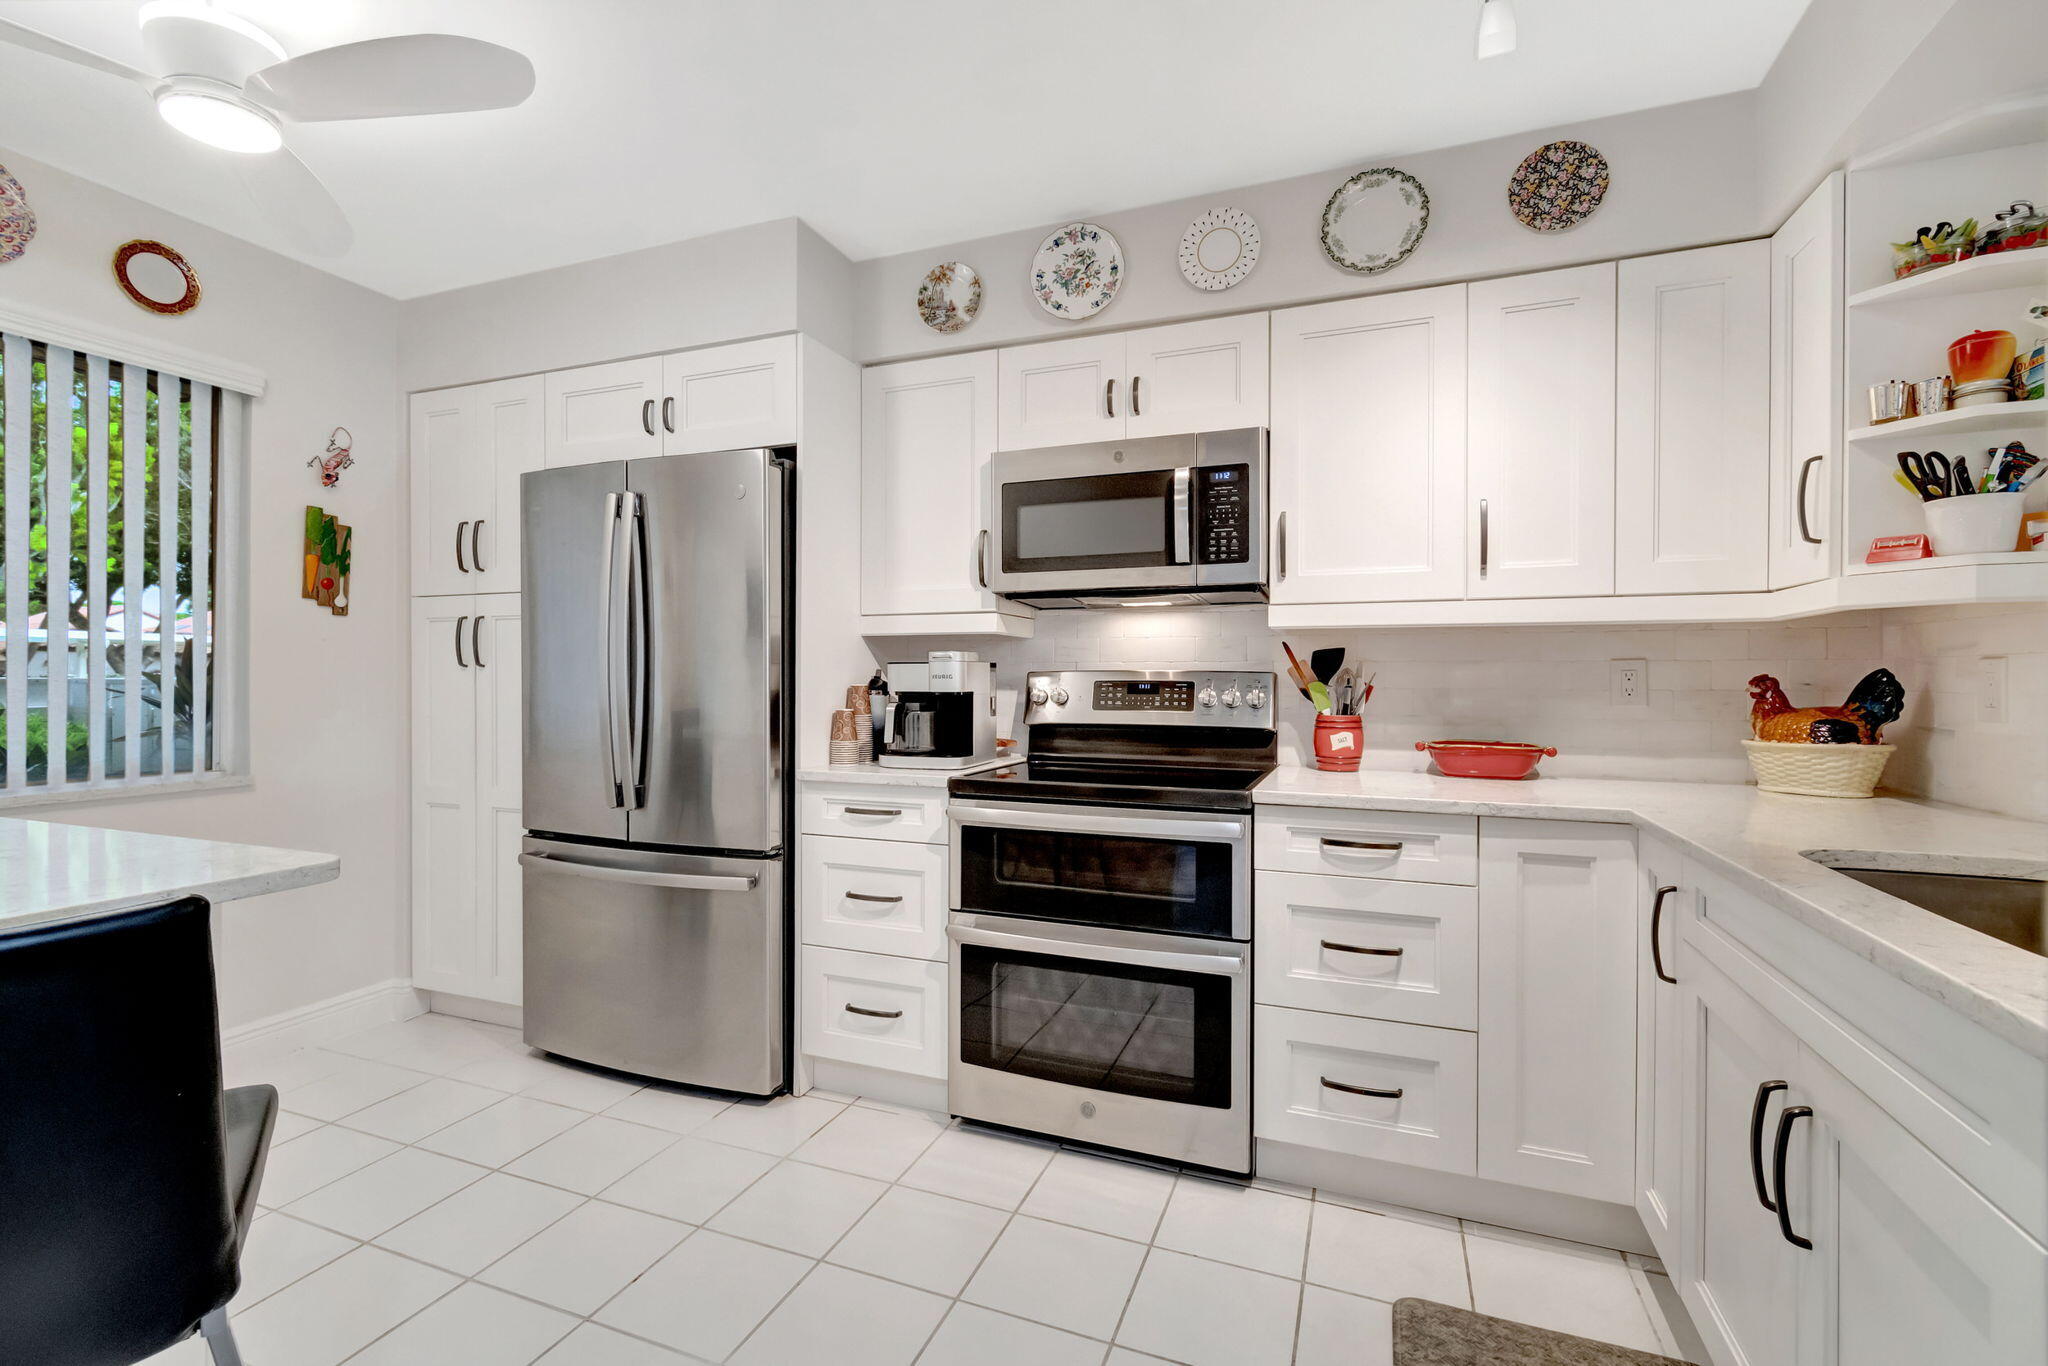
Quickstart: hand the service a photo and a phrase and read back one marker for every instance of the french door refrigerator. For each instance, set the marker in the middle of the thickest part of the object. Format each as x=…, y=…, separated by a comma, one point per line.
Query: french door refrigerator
x=657, y=659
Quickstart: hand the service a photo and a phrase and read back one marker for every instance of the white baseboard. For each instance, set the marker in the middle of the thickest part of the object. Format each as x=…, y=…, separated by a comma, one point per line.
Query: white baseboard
x=471, y=1008
x=334, y=1018
x=891, y=1088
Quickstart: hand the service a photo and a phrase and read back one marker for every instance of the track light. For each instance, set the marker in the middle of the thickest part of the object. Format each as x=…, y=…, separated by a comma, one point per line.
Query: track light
x=1496, y=28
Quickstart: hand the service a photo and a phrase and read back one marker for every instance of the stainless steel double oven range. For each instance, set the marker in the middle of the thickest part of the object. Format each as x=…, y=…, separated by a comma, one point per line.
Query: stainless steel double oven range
x=1101, y=915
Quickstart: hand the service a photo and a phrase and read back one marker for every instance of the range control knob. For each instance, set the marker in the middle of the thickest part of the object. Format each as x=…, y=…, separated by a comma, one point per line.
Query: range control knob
x=1230, y=697
x=1059, y=697
x=1037, y=697
x=1207, y=697
x=1255, y=698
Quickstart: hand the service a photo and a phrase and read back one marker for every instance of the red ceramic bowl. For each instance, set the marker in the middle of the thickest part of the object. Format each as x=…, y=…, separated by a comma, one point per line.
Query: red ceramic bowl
x=1485, y=758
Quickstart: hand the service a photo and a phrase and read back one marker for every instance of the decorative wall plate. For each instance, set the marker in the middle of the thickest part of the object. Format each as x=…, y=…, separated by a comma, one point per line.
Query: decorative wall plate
x=1558, y=186
x=1077, y=271
x=1374, y=220
x=156, y=277
x=1219, y=249
x=17, y=219
x=949, y=297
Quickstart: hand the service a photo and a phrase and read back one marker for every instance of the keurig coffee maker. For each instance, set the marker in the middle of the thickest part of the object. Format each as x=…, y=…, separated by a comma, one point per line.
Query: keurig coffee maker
x=941, y=714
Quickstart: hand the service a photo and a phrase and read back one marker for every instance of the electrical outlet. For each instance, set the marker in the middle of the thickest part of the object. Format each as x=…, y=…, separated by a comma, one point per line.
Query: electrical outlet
x=1628, y=682
x=1991, y=690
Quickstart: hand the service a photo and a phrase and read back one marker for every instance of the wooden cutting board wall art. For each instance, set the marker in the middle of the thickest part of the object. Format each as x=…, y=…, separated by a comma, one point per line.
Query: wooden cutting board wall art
x=329, y=549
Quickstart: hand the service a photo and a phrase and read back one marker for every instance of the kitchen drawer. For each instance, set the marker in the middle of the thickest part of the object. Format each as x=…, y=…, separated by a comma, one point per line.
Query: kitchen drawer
x=1406, y=951
x=875, y=1010
x=873, y=811
x=1430, y=1124
x=1404, y=845
x=880, y=896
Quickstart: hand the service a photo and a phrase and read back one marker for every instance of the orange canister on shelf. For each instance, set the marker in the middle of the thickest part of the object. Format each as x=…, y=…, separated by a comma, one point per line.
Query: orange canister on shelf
x=1980, y=356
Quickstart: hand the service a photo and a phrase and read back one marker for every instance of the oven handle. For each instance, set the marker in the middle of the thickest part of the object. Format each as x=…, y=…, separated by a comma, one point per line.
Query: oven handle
x=1214, y=964
x=1065, y=823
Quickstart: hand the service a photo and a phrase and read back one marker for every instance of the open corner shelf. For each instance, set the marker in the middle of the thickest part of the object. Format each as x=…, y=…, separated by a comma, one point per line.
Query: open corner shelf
x=2000, y=270
x=2022, y=419
x=2000, y=123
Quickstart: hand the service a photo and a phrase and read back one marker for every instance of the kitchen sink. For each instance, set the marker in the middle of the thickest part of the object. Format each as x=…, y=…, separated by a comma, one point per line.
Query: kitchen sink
x=2011, y=908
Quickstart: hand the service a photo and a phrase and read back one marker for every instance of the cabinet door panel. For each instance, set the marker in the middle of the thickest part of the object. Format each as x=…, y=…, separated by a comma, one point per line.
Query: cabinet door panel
x=1062, y=393
x=1542, y=435
x=1197, y=377
x=444, y=797
x=1806, y=387
x=1368, y=449
x=443, y=440
x=497, y=659
x=727, y=397
x=928, y=428
x=604, y=412
x=1692, y=421
x=1660, y=1082
x=509, y=418
x=1557, y=938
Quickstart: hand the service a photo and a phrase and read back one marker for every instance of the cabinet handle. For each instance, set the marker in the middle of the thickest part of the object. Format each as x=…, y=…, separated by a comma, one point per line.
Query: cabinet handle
x=870, y=896
x=1362, y=844
x=460, y=622
x=1357, y=948
x=460, y=564
x=1656, y=923
x=668, y=413
x=1756, y=1141
x=1109, y=399
x=1779, y=1148
x=1280, y=547
x=647, y=415
x=476, y=643
x=981, y=558
x=1483, y=539
x=1805, y=531
x=1136, y=410
x=476, y=549
x=1348, y=1089
x=874, y=810
x=853, y=1009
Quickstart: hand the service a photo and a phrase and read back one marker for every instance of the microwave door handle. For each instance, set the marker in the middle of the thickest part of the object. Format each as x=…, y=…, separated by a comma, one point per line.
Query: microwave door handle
x=1066, y=822
x=1183, y=516
x=1213, y=964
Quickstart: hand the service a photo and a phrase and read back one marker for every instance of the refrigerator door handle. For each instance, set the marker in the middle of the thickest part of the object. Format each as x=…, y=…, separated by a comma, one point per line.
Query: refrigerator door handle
x=638, y=635
x=611, y=717
x=690, y=882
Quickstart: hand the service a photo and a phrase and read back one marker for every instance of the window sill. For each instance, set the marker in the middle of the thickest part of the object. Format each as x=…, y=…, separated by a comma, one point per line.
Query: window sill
x=25, y=802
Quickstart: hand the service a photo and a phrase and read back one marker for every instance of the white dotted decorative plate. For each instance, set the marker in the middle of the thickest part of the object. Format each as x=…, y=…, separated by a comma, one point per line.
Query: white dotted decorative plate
x=1374, y=220
x=949, y=297
x=1219, y=249
x=1077, y=271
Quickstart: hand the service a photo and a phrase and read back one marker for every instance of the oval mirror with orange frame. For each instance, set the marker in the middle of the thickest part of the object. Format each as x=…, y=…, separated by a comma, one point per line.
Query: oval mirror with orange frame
x=156, y=277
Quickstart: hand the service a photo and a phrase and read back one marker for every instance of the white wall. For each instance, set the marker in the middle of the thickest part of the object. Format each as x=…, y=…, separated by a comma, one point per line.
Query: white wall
x=327, y=718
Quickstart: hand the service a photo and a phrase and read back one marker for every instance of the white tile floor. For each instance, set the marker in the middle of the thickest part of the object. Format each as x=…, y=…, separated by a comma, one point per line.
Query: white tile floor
x=438, y=1195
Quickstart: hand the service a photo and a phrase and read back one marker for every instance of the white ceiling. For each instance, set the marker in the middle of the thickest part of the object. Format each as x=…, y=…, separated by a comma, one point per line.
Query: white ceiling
x=887, y=125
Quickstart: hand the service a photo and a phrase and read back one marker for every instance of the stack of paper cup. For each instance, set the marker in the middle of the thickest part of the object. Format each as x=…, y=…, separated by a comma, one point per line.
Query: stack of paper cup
x=846, y=745
x=857, y=703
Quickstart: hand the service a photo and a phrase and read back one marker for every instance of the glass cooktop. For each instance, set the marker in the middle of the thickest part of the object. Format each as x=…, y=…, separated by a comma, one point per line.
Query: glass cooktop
x=1111, y=782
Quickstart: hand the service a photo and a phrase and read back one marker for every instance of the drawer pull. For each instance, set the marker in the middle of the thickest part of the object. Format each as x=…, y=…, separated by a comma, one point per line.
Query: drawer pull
x=869, y=896
x=874, y=810
x=1348, y=1089
x=1360, y=948
x=1393, y=848
x=853, y=1009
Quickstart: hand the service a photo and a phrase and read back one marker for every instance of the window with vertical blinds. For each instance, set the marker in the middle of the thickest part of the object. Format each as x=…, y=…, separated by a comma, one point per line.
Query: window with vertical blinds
x=109, y=473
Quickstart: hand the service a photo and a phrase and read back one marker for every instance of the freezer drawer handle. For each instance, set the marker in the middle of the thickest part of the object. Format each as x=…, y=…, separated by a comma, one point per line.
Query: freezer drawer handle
x=686, y=882
x=874, y=810
x=869, y=896
x=1380, y=846
x=1392, y=1093
x=853, y=1009
x=1356, y=948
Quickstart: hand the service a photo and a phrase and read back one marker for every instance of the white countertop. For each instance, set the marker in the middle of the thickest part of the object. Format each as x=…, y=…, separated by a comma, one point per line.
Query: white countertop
x=1757, y=839
x=874, y=775
x=51, y=873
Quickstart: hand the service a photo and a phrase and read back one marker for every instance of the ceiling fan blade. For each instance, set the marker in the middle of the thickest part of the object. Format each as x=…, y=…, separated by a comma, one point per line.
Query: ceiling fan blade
x=187, y=38
x=295, y=201
x=415, y=73
x=15, y=34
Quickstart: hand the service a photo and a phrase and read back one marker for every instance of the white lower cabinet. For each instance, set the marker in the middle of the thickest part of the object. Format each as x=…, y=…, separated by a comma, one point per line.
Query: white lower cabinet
x=1664, y=894
x=875, y=1010
x=879, y=896
x=1364, y=946
x=1369, y=1088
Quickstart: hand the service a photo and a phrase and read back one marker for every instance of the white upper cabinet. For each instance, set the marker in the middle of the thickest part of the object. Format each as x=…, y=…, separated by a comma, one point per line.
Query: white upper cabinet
x=1692, y=421
x=927, y=430
x=1541, y=438
x=508, y=444
x=1368, y=449
x=725, y=397
x=604, y=412
x=1206, y=376
x=468, y=448
x=1063, y=393
x=1806, y=387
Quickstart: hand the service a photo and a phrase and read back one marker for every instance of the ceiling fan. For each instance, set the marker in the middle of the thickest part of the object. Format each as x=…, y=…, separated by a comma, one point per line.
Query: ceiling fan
x=218, y=78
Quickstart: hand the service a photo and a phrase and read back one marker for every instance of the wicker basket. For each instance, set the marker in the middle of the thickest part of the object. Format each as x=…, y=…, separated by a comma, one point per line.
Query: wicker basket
x=1817, y=770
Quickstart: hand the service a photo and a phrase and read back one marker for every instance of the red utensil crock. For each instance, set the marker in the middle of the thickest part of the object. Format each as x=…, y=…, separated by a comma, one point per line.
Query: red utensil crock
x=1340, y=740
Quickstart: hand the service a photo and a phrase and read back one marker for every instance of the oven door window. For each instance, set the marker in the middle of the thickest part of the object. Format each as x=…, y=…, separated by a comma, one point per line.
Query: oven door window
x=1109, y=521
x=1124, y=882
x=1147, y=1032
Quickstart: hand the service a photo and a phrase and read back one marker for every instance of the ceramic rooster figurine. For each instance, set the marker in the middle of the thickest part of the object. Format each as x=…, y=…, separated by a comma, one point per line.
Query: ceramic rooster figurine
x=1873, y=704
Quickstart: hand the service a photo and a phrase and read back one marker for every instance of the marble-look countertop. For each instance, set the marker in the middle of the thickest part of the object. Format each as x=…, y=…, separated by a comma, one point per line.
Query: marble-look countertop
x=51, y=873
x=1758, y=840
x=874, y=775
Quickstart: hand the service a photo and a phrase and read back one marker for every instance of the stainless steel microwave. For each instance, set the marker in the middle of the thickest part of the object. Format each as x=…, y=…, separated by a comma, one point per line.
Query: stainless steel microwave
x=1174, y=518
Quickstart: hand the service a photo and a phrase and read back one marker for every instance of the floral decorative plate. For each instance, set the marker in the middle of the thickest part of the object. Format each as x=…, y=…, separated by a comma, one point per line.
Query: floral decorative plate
x=1374, y=220
x=17, y=219
x=1558, y=186
x=1077, y=271
x=949, y=297
x=1219, y=249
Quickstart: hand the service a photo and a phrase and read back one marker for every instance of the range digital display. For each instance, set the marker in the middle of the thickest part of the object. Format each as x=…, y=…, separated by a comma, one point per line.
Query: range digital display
x=1143, y=694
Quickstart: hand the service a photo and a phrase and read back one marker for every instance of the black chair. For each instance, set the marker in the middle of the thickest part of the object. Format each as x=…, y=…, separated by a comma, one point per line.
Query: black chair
x=127, y=1179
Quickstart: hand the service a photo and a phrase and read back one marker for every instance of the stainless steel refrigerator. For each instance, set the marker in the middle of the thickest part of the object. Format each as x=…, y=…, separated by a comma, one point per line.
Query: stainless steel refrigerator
x=657, y=657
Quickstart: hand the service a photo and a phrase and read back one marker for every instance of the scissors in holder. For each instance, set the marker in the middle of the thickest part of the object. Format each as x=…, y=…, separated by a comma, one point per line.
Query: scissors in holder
x=1931, y=475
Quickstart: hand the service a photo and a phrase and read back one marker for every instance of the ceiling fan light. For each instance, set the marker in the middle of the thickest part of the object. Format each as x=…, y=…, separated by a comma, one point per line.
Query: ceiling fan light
x=1496, y=28
x=218, y=120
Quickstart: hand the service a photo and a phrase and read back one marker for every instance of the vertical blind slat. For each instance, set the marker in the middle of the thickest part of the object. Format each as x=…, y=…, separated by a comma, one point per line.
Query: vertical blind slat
x=202, y=533
x=231, y=593
x=134, y=443
x=16, y=355
x=96, y=418
x=166, y=571
x=57, y=424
